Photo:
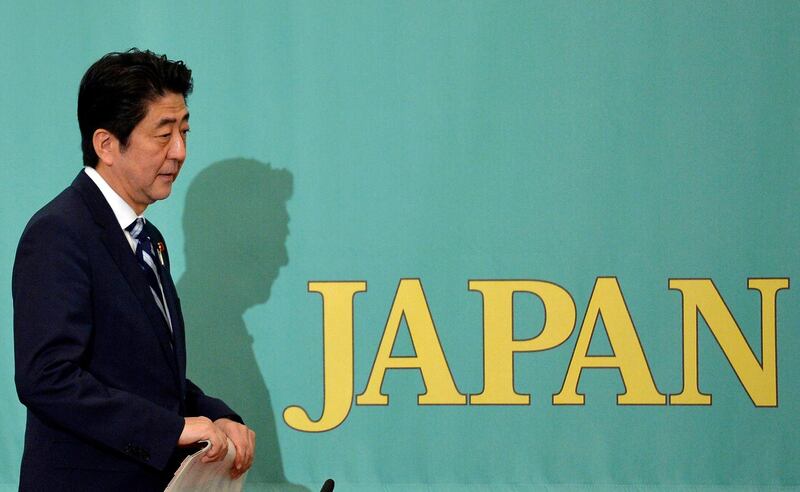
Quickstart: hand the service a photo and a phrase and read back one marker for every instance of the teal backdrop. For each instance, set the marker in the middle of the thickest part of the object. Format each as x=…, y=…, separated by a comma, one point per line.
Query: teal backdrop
x=451, y=141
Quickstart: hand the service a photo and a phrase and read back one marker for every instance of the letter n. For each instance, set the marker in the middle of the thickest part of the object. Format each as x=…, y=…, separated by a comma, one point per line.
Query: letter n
x=759, y=380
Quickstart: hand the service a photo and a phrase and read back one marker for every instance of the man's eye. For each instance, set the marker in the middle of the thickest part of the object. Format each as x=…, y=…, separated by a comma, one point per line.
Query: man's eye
x=164, y=135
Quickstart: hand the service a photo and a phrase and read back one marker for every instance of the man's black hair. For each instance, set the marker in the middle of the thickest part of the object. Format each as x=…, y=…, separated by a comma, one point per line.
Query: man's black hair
x=116, y=90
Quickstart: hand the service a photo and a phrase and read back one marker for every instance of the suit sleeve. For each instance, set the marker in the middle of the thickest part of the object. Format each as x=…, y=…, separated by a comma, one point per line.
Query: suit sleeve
x=198, y=403
x=52, y=294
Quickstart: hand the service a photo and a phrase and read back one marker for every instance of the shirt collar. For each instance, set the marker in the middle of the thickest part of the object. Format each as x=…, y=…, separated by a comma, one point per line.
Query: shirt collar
x=122, y=211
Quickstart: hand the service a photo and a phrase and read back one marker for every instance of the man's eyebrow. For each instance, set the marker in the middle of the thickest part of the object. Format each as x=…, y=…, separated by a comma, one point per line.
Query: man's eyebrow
x=171, y=121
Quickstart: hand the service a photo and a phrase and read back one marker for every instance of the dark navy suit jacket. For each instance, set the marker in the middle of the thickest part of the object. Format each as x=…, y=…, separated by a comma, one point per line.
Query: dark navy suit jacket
x=102, y=376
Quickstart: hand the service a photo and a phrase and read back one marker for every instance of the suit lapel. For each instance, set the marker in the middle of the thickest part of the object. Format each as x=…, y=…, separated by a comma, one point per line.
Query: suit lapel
x=177, y=324
x=120, y=250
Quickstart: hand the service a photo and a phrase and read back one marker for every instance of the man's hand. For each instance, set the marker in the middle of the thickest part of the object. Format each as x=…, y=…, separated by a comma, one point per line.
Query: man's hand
x=203, y=429
x=244, y=439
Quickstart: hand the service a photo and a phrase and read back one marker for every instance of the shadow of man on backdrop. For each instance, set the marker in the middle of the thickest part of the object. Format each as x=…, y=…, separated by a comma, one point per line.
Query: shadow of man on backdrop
x=235, y=224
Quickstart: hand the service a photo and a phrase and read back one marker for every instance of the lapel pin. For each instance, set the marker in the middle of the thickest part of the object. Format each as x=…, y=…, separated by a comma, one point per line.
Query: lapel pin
x=161, y=249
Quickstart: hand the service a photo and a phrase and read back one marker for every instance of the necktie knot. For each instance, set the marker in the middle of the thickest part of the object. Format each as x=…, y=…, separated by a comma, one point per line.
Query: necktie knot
x=136, y=227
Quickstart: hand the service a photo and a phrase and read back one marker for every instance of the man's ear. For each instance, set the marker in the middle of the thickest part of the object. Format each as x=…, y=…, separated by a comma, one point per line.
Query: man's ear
x=106, y=146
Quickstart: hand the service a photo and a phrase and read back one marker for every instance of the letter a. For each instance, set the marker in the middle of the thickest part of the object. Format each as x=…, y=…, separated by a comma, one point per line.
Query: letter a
x=640, y=389
x=409, y=302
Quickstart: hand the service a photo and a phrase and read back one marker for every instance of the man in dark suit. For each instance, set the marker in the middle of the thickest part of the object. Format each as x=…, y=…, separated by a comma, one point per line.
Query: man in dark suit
x=98, y=329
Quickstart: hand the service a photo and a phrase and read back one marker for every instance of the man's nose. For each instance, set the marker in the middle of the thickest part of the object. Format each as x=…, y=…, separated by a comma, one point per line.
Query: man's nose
x=177, y=147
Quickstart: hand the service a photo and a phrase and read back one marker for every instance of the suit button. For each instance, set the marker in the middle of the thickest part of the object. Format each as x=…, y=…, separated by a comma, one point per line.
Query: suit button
x=136, y=452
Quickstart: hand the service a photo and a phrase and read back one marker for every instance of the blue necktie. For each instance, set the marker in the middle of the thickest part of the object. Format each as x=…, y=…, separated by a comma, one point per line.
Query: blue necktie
x=146, y=257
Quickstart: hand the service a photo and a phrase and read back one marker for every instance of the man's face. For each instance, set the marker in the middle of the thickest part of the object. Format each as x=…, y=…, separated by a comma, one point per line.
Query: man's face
x=146, y=168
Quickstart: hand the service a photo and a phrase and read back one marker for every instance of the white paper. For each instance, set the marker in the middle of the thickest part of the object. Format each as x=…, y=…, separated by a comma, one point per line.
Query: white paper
x=195, y=476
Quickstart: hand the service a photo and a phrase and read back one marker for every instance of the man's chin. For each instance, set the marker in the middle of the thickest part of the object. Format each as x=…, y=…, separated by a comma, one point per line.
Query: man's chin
x=161, y=192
